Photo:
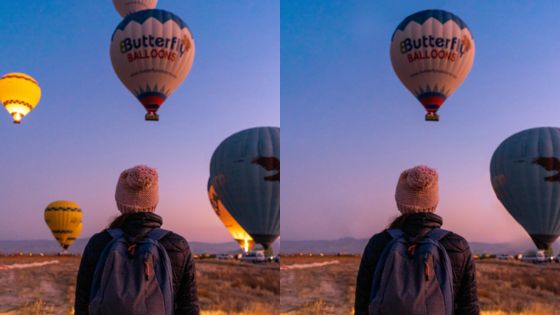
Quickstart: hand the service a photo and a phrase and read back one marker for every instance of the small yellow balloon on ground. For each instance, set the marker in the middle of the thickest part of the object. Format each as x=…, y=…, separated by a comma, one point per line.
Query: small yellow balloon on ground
x=19, y=93
x=64, y=218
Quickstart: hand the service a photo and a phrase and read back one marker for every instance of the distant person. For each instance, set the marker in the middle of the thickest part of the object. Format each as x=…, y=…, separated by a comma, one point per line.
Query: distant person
x=124, y=269
x=403, y=269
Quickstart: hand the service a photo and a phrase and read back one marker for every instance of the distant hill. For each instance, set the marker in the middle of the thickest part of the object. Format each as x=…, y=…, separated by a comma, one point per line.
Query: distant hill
x=354, y=246
x=346, y=245
x=51, y=246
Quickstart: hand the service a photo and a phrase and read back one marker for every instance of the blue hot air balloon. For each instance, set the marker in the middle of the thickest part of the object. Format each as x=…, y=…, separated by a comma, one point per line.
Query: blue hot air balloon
x=525, y=175
x=245, y=182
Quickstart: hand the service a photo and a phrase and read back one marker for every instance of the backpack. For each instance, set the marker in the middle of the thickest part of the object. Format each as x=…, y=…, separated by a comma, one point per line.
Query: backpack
x=413, y=277
x=133, y=276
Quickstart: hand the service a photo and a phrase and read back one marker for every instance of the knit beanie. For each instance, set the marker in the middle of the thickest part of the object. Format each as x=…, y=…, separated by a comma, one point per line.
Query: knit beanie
x=417, y=190
x=137, y=190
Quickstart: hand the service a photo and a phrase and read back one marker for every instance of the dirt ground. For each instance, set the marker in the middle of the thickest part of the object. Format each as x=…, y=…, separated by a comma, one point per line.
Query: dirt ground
x=230, y=287
x=505, y=287
x=224, y=287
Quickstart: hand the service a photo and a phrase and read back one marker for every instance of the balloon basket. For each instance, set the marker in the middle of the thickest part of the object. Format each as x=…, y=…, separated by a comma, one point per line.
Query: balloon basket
x=432, y=117
x=152, y=117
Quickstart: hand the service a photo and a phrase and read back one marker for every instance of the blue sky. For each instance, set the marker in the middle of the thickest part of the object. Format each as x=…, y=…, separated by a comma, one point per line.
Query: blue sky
x=349, y=127
x=88, y=127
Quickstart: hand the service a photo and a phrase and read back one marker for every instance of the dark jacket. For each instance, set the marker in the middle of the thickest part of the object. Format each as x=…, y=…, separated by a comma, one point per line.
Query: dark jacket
x=464, y=275
x=184, y=282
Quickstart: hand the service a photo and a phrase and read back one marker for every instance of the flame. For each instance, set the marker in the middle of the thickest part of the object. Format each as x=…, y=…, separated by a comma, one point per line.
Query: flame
x=17, y=117
x=246, y=245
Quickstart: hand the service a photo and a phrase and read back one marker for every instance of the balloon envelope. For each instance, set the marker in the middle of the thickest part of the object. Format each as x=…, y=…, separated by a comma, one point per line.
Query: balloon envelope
x=239, y=234
x=525, y=176
x=19, y=93
x=432, y=53
x=126, y=7
x=245, y=174
x=152, y=52
x=64, y=218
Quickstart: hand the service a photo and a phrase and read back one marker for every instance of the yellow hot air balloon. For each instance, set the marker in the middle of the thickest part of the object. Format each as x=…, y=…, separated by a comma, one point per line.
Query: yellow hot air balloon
x=19, y=93
x=64, y=218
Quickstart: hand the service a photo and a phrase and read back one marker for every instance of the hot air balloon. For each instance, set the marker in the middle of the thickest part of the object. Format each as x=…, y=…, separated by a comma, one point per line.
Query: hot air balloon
x=19, y=93
x=432, y=53
x=234, y=228
x=152, y=52
x=126, y=7
x=245, y=182
x=525, y=175
x=64, y=218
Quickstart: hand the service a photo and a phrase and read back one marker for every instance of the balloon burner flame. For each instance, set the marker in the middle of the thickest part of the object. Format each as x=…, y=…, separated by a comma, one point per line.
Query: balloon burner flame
x=17, y=117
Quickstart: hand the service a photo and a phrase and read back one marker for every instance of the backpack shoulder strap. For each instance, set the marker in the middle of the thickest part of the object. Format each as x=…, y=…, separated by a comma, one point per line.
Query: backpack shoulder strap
x=157, y=234
x=395, y=233
x=115, y=233
x=437, y=234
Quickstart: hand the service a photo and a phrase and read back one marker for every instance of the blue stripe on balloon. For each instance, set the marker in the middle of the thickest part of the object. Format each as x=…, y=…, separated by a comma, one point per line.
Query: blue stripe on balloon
x=429, y=94
x=152, y=93
x=422, y=16
x=141, y=16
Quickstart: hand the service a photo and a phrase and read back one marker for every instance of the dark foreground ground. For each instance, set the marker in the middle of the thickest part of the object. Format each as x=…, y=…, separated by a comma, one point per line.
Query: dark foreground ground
x=505, y=287
x=230, y=287
x=225, y=287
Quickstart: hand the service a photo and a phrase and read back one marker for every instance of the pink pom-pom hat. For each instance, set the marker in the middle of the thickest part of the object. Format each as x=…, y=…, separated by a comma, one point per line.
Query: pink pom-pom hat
x=137, y=190
x=417, y=190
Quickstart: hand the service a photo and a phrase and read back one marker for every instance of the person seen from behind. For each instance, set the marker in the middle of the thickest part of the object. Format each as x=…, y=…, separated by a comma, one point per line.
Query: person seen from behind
x=414, y=266
x=134, y=266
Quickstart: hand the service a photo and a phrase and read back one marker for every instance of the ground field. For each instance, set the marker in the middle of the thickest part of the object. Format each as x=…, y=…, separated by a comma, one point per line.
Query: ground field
x=228, y=287
x=224, y=287
x=505, y=287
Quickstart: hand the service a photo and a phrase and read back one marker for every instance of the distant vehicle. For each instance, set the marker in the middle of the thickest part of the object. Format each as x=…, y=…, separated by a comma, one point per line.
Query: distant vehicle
x=254, y=256
x=206, y=256
x=224, y=256
x=503, y=256
x=538, y=258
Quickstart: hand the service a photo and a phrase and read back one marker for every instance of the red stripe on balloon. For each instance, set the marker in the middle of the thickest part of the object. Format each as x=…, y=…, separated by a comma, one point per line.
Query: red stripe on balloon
x=432, y=100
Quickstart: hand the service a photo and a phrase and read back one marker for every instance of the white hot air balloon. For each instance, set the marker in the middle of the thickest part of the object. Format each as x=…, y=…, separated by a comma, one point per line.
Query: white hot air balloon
x=432, y=52
x=126, y=7
x=152, y=52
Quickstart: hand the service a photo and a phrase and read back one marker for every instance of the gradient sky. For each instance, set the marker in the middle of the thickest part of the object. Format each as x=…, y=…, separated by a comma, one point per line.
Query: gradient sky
x=88, y=127
x=349, y=127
